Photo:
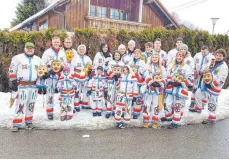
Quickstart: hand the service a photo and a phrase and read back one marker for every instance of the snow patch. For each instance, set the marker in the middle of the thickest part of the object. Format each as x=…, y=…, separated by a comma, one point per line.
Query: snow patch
x=85, y=120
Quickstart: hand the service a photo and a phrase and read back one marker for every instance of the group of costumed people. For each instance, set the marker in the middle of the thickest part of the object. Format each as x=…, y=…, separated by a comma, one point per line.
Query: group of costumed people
x=124, y=85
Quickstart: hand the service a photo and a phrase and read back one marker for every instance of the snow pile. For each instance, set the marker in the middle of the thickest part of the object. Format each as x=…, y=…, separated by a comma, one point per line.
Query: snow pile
x=84, y=119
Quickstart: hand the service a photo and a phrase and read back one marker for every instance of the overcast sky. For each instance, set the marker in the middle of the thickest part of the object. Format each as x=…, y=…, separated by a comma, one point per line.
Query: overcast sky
x=197, y=12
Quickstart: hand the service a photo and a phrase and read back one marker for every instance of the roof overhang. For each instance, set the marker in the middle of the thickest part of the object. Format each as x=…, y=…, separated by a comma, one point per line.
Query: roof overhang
x=39, y=14
x=163, y=13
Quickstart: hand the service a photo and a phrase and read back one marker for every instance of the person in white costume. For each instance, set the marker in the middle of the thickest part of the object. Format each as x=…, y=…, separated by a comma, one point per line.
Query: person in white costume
x=79, y=63
x=23, y=76
x=172, y=53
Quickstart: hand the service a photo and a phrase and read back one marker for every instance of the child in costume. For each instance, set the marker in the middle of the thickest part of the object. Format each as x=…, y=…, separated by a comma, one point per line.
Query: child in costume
x=214, y=78
x=179, y=76
x=113, y=74
x=51, y=54
x=154, y=102
x=96, y=88
x=148, y=51
x=79, y=63
x=138, y=66
x=129, y=56
x=202, y=61
x=66, y=87
x=23, y=76
x=150, y=96
x=127, y=90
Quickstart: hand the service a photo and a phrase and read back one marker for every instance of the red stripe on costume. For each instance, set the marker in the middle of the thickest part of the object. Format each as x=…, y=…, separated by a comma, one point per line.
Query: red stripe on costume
x=137, y=110
x=154, y=118
x=49, y=110
x=204, y=101
x=176, y=119
x=215, y=90
x=146, y=117
x=215, y=83
x=84, y=103
x=186, y=83
x=212, y=117
x=12, y=76
x=28, y=118
x=17, y=121
x=120, y=104
x=168, y=115
x=117, y=119
x=76, y=104
x=184, y=92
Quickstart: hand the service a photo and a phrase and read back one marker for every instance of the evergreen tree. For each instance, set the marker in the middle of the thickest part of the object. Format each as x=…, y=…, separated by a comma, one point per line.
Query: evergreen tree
x=27, y=8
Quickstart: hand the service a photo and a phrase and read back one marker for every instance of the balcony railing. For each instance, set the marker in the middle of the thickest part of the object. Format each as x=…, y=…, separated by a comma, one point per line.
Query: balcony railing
x=105, y=23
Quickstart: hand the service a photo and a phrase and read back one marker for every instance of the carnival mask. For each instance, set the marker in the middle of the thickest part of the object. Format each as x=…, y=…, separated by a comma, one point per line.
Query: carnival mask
x=179, y=78
x=117, y=70
x=157, y=77
x=41, y=71
x=87, y=68
x=56, y=66
x=207, y=77
x=69, y=55
x=66, y=69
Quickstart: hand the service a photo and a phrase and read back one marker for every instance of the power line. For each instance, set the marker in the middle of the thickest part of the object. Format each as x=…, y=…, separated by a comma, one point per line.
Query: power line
x=191, y=5
x=184, y=4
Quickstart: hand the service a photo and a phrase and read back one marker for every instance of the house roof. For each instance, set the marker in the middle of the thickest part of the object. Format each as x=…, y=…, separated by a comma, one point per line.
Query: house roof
x=37, y=15
x=169, y=18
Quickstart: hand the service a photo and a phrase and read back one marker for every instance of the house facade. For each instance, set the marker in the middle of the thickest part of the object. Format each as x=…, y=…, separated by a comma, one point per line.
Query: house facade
x=104, y=14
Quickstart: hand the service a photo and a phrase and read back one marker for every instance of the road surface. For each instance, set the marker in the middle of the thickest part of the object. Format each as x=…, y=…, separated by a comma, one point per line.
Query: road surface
x=192, y=141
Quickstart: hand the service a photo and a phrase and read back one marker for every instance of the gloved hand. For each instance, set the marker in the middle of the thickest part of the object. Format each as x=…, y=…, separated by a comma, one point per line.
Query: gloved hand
x=116, y=78
x=134, y=99
x=51, y=72
x=42, y=91
x=89, y=93
x=170, y=83
x=74, y=87
x=105, y=94
x=14, y=86
x=208, y=85
x=156, y=84
x=46, y=76
x=176, y=84
x=60, y=89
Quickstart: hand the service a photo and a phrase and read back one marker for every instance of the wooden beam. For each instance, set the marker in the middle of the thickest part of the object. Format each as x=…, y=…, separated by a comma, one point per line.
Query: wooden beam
x=140, y=11
x=148, y=1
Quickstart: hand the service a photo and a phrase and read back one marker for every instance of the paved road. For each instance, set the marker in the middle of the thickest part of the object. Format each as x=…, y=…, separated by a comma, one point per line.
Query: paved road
x=193, y=141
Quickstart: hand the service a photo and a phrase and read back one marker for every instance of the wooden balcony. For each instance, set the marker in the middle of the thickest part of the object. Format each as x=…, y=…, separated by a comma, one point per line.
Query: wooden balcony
x=106, y=23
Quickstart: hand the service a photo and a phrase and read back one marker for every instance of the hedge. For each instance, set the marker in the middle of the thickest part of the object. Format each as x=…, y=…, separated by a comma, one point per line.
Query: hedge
x=12, y=43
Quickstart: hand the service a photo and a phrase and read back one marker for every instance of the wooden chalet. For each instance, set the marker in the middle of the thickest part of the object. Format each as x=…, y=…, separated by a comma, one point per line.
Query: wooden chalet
x=117, y=14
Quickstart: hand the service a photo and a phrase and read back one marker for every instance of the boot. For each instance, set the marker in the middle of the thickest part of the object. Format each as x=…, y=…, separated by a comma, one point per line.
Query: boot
x=208, y=122
x=94, y=114
x=123, y=126
x=68, y=118
x=172, y=126
x=30, y=126
x=135, y=116
x=192, y=110
x=155, y=126
x=62, y=118
x=164, y=119
x=14, y=129
x=77, y=109
x=50, y=117
x=145, y=125
x=108, y=115
x=99, y=114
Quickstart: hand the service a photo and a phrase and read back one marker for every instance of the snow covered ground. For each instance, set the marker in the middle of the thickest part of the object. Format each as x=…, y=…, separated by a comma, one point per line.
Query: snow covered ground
x=84, y=119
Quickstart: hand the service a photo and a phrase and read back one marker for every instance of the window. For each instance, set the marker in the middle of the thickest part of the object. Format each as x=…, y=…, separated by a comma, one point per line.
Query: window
x=43, y=25
x=114, y=14
x=101, y=12
x=92, y=10
x=118, y=14
x=124, y=15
